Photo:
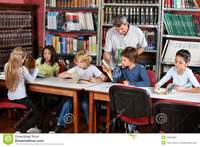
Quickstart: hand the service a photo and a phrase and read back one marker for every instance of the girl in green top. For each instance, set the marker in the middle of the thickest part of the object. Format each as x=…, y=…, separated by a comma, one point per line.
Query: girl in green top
x=48, y=63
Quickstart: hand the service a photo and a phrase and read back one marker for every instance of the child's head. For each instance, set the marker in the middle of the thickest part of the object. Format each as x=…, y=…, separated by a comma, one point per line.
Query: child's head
x=82, y=59
x=49, y=55
x=182, y=59
x=129, y=56
x=12, y=70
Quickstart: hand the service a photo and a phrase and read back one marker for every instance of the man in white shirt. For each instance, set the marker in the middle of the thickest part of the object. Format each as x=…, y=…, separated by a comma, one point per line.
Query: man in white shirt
x=120, y=36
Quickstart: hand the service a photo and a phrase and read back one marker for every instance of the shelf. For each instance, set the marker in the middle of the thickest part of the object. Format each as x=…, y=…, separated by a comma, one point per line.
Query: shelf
x=73, y=54
x=11, y=47
x=150, y=51
x=76, y=9
x=81, y=32
x=181, y=9
x=182, y=37
x=15, y=28
x=130, y=5
x=141, y=26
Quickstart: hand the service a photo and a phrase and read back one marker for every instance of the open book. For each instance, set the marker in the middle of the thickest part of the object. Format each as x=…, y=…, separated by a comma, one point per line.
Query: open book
x=108, y=69
x=161, y=91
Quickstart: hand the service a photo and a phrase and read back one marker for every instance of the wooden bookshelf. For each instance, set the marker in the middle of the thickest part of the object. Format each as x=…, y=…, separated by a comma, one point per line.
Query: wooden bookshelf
x=69, y=10
x=187, y=37
x=17, y=29
x=151, y=24
x=181, y=37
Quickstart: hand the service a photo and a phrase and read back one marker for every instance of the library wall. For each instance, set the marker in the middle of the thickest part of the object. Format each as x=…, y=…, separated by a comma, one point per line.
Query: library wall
x=40, y=19
x=12, y=1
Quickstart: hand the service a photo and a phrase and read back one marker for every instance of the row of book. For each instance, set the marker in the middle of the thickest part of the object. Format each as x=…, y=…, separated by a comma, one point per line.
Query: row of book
x=15, y=18
x=5, y=53
x=72, y=3
x=172, y=46
x=66, y=45
x=182, y=4
x=133, y=1
x=136, y=15
x=10, y=38
x=71, y=21
x=181, y=24
x=196, y=21
x=151, y=37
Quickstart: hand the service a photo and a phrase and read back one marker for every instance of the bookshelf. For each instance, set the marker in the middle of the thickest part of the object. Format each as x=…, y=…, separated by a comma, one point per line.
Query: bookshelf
x=17, y=29
x=71, y=26
x=142, y=13
x=180, y=29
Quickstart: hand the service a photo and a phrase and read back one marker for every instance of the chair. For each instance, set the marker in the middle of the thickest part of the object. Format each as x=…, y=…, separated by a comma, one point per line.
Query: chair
x=5, y=103
x=152, y=77
x=176, y=117
x=131, y=105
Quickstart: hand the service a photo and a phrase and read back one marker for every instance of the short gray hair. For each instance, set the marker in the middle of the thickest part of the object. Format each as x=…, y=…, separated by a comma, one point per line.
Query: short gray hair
x=119, y=20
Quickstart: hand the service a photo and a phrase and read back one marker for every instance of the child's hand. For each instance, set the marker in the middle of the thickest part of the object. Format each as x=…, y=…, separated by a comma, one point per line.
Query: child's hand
x=93, y=80
x=125, y=82
x=156, y=87
x=64, y=75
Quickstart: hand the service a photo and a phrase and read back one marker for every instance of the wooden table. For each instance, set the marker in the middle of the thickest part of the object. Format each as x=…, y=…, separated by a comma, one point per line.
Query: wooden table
x=101, y=92
x=57, y=86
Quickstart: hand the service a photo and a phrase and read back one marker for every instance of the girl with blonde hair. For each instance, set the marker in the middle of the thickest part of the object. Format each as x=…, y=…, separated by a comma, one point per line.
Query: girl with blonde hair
x=15, y=76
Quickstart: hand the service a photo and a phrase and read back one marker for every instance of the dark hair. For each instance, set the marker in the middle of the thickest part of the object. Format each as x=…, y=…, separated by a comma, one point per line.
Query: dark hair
x=130, y=53
x=185, y=54
x=53, y=54
x=119, y=20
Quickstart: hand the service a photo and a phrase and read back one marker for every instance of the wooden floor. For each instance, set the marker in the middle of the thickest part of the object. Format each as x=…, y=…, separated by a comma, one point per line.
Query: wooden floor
x=6, y=124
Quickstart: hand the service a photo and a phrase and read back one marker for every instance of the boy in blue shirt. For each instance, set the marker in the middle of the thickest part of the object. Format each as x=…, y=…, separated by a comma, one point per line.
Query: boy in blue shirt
x=131, y=73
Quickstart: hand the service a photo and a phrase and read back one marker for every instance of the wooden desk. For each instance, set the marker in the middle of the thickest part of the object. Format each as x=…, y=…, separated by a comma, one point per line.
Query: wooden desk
x=57, y=86
x=101, y=92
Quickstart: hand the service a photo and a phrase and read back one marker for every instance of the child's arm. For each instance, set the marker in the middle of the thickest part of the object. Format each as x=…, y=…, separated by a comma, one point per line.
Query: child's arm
x=29, y=77
x=56, y=72
x=65, y=74
x=166, y=78
x=101, y=78
x=193, y=79
x=183, y=89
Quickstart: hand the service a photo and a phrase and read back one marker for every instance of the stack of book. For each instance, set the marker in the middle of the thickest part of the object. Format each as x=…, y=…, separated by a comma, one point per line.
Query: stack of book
x=68, y=45
x=12, y=38
x=72, y=3
x=151, y=38
x=69, y=21
x=182, y=4
x=180, y=24
x=172, y=46
x=15, y=18
x=196, y=20
x=136, y=15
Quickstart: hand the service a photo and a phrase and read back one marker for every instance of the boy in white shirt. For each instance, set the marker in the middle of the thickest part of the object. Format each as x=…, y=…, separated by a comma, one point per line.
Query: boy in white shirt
x=182, y=76
x=86, y=71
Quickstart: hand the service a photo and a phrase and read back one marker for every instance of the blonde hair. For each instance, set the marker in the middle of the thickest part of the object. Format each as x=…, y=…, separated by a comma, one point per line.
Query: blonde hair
x=12, y=71
x=83, y=56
